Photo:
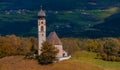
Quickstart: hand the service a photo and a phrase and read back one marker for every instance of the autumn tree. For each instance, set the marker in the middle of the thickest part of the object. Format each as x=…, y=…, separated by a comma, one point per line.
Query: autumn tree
x=111, y=49
x=70, y=45
x=48, y=54
x=9, y=44
x=13, y=45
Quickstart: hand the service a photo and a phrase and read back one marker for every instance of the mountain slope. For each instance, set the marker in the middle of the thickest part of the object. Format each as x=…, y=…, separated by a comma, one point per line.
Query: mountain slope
x=110, y=28
x=72, y=18
x=59, y=4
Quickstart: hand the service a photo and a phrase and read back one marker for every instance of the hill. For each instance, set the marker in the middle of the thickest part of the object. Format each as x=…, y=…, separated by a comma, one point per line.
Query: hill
x=80, y=61
x=17, y=63
x=109, y=28
x=75, y=22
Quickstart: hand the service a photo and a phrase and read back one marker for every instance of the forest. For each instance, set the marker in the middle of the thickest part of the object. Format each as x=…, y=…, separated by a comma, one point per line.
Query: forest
x=104, y=48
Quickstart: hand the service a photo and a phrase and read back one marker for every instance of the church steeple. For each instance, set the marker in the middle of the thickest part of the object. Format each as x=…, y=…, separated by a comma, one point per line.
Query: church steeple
x=52, y=38
x=41, y=13
x=41, y=29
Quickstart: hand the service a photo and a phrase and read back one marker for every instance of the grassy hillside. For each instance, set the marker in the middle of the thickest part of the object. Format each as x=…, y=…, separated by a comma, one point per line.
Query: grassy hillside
x=90, y=58
x=79, y=61
x=109, y=28
x=19, y=64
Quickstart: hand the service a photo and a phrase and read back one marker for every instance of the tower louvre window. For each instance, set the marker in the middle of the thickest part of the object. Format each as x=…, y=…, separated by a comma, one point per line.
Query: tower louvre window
x=42, y=28
x=42, y=22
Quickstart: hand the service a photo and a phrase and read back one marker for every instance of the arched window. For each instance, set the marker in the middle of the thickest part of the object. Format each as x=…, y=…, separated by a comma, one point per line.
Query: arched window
x=42, y=28
x=42, y=22
x=63, y=54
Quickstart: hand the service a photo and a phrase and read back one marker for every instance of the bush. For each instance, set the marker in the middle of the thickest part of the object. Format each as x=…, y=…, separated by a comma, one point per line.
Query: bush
x=118, y=59
x=104, y=56
x=48, y=54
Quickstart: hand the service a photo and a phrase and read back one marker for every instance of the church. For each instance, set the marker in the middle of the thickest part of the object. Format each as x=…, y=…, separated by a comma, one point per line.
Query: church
x=52, y=38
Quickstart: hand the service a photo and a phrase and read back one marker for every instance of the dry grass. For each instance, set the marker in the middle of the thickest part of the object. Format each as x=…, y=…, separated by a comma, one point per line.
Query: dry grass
x=18, y=63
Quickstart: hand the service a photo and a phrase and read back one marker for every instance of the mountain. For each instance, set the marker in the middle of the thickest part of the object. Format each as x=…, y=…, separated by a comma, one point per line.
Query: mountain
x=69, y=18
x=58, y=4
x=110, y=28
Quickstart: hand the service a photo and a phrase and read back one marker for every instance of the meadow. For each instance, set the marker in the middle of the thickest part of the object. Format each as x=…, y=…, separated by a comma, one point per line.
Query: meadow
x=89, y=57
x=79, y=61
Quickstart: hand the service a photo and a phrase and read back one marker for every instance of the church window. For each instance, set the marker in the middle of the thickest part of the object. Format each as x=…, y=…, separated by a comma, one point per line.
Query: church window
x=42, y=22
x=63, y=54
x=42, y=34
x=42, y=28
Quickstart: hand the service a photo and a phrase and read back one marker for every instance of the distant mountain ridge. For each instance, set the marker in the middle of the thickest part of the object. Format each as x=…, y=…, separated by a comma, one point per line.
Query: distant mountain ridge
x=60, y=4
x=111, y=26
x=69, y=18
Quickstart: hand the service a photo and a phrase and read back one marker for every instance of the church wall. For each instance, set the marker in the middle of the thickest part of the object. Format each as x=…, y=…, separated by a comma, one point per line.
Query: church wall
x=60, y=51
x=65, y=54
x=41, y=33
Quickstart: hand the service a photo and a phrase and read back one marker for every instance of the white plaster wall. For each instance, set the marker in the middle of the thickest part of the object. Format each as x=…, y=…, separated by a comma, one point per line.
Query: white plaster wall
x=41, y=34
x=60, y=51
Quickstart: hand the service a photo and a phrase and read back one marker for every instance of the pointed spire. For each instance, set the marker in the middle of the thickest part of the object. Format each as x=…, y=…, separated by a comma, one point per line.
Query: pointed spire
x=41, y=12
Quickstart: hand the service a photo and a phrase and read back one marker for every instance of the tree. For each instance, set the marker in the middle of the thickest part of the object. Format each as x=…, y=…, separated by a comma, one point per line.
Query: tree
x=12, y=45
x=111, y=49
x=9, y=44
x=70, y=45
x=48, y=54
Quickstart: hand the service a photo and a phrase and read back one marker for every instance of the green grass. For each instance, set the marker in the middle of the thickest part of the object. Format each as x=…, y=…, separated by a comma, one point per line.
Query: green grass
x=90, y=58
x=83, y=17
x=103, y=14
x=73, y=17
x=17, y=17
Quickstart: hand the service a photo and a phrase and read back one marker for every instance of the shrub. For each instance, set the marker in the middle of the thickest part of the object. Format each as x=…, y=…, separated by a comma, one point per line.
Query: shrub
x=111, y=48
x=48, y=54
x=104, y=56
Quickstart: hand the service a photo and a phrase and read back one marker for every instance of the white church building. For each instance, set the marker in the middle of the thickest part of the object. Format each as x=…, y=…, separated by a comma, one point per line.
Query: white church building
x=52, y=38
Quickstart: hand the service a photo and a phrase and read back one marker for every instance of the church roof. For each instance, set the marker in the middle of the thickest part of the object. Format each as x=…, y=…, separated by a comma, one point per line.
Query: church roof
x=41, y=13
x=53, y=38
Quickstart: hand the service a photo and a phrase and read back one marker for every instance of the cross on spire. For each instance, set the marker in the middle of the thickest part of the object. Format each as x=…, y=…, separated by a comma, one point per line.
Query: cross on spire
x=41, y=12
x=41, y=7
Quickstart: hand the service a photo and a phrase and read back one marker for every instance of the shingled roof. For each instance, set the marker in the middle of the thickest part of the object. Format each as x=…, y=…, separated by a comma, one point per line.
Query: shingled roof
x=53, y=38
x=41, y=13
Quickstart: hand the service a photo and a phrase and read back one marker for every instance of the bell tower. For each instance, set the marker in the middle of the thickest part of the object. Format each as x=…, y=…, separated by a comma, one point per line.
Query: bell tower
x=41, y=29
